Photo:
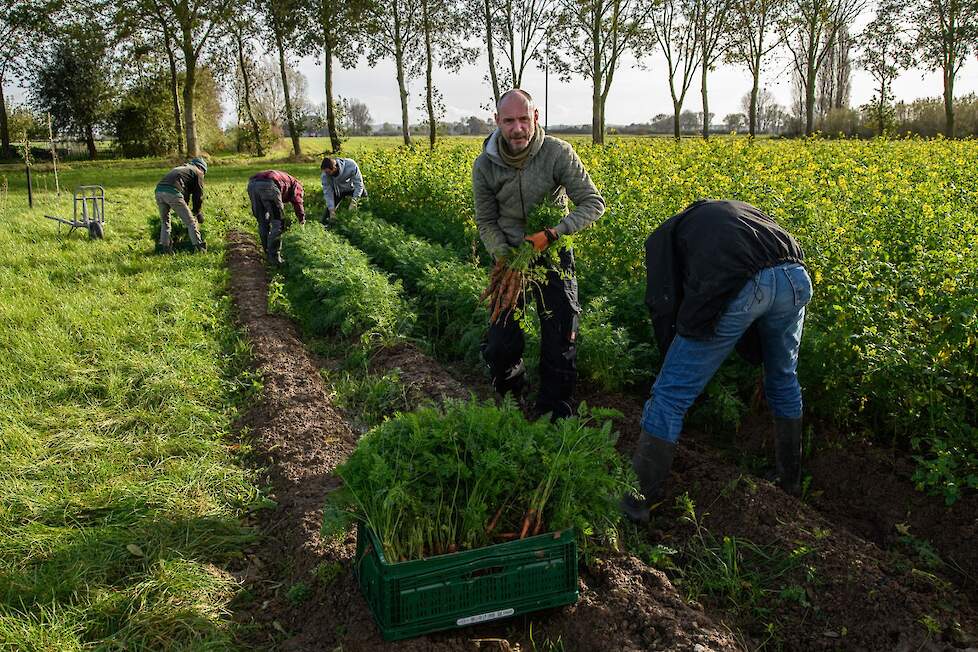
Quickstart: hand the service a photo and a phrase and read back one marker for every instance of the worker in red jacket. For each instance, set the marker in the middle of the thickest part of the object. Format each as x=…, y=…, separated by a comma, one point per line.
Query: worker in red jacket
x=269, y=191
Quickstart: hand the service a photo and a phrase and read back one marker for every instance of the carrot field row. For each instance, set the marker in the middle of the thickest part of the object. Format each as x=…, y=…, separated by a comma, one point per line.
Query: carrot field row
x=889, y=229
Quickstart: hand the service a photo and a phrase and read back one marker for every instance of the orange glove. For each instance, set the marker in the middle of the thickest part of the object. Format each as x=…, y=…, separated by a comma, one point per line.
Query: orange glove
x=539, y=240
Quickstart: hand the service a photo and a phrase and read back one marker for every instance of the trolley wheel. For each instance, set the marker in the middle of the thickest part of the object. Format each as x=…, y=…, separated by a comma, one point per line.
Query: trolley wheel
x=95, y=231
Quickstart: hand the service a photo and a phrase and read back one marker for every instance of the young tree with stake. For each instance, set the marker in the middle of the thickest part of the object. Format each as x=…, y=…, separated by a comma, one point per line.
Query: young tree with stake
x=754, y=35
x=946, y=35
x=674, y=27
x=809, y=29
x=886, y=51
x=594, y=35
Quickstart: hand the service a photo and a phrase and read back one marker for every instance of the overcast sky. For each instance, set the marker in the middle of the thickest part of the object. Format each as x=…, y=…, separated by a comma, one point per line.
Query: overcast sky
x=637, y=94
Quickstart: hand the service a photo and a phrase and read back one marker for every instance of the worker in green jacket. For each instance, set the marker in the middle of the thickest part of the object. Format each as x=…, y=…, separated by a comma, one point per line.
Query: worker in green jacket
x=520, y=169
x=182, y=184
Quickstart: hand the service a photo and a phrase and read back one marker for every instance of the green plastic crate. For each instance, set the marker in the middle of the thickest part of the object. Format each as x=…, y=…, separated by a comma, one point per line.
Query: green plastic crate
x=427, y=595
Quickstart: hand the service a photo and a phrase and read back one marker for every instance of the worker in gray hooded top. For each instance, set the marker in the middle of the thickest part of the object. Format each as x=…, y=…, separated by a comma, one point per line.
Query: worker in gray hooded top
x=520, y=169
x=341, y=179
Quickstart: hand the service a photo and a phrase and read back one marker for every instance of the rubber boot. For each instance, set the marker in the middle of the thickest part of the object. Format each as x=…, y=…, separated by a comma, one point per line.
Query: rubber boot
x=200, y=248
x=163, y=250
x=652, y=462
x=273, y=249
x=557, y=411
x=787, y=452
x=512, y=382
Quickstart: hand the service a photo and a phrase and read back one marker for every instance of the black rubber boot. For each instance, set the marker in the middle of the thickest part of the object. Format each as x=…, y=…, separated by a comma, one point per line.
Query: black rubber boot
x=163, y=250
x=512, y=381
x=557, y=411
x=787, y=451
x=200, y=248
x=652, y=462
x=273, y=249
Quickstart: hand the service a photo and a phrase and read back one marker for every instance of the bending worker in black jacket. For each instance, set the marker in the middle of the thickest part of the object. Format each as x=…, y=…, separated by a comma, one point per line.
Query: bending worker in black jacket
x=720, y=275
x=180, y=185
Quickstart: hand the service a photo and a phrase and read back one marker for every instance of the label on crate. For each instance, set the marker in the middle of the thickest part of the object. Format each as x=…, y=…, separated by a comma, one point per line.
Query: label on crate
x=481, y=618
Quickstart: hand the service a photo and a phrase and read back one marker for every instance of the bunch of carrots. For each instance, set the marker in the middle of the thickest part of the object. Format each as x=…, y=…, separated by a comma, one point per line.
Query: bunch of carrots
x=508, y=281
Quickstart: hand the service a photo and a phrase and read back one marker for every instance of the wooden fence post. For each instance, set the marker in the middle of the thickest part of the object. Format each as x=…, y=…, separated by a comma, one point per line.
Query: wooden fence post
x=54, y=156
x=27, y=164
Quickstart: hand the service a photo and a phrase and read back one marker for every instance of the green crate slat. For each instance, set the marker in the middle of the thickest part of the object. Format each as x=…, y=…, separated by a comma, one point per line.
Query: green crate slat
x=421, y=596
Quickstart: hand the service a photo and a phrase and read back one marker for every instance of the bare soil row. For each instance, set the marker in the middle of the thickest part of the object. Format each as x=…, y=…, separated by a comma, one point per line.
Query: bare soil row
x=858, y=590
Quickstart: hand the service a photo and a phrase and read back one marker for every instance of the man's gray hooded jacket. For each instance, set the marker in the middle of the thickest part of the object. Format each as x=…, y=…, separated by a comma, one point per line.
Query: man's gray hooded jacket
x=504, y=196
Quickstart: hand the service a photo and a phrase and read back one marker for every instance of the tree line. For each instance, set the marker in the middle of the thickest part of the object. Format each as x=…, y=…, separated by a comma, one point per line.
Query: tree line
x=167, y=62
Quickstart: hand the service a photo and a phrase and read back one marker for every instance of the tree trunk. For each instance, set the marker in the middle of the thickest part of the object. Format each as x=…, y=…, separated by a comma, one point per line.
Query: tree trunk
x=256, y=130
x=880, y=115
x=754, y=89
x=676, y=108
x=706, y=101
x=604, y=98
x=810, y=98
x=90, y=142
x=5, y=149
x=289, y=116
x=334, y=134
x=189, y=87
x=402, y=90
x=597, y=133
x=174, y=93
x=949, y=101
x=429, y=87
x=489, y=50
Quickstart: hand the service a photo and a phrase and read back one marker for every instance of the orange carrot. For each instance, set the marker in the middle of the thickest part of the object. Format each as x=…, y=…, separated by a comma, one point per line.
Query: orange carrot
x=495, y=520
x=513, y=292
x=507, y=294
x=526, y=523
x=539, y=526
x=494, y=280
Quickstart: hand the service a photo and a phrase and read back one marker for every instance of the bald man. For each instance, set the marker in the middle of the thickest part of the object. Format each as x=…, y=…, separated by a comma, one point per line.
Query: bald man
x=519, y=169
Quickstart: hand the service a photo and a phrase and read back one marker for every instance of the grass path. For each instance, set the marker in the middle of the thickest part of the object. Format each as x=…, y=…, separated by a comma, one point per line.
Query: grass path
x=120, y=378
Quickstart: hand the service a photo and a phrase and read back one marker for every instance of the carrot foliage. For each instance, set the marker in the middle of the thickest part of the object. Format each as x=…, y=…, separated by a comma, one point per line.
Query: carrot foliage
x=469, y=475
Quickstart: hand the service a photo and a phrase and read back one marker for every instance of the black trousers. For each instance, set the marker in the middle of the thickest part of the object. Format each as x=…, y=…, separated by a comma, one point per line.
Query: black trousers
x=559, y=311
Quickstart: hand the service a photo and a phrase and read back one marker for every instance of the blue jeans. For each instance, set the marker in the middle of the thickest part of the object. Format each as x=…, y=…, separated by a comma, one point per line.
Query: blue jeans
x=775, y=298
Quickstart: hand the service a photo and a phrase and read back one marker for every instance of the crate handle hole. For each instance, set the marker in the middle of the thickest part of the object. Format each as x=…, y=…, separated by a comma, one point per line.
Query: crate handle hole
x=482, y=572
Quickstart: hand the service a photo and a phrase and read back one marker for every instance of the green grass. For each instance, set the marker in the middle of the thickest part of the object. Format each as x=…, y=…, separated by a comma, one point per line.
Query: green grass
x=122, y=484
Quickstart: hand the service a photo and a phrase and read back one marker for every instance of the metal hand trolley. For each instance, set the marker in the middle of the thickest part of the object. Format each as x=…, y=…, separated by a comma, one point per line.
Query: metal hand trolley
x=91, y=199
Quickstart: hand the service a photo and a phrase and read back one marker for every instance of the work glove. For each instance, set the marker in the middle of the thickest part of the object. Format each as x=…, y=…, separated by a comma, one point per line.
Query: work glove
x=200, y=218
x=355, y=204
x=539, y=240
